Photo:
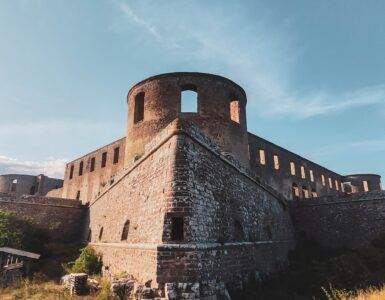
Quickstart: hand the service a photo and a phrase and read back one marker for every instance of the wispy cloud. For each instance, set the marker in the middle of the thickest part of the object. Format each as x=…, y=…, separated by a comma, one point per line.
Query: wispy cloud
x=52, y=167
x=363, y=147
x=263, y=64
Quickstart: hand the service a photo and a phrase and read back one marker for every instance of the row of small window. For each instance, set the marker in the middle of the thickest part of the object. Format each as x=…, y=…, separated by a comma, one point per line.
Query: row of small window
x=189, y=104
x=262, y=160
x=177, y=230
x=92, y=165
x=305, y=192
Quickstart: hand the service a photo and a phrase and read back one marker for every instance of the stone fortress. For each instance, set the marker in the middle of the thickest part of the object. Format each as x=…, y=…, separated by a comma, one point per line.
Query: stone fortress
x=191, y=201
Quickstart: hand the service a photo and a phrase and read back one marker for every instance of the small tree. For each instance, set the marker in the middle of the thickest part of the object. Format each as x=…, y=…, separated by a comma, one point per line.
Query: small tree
x=88, y=262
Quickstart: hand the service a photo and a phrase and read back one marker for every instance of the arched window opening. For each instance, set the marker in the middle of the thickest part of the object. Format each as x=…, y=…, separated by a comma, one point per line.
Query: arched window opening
x=235, y=111
x=295, y=191
x=81, y=168
x=177, y=229
x=126, y=229
x=276, y=162
x=139, y=107
x=189, y=99
x=101, y=233
x=330, y=183
x=323, y=180
x=239, y=234
x=14, y=185
x=314, y=193
x=292, y=168
x=305, y=192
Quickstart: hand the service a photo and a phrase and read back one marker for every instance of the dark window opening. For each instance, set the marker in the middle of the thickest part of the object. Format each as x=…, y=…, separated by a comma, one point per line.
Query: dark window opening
x=32, y=190
x=235, y=111
x=189, y=99
x=126, y=229
x=239, y=234
x=295, y=191
x=116, y=155
x=78, y=195
x=139, y=108
x=268, y=231
x=81, y=168
x=92, y=167
x=13, y=185
x=104, y=159
x=101, y=233
x=72, y=172
x=177, y=232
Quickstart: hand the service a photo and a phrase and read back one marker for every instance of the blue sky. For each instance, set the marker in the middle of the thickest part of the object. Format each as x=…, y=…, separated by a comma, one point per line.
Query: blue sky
x=314, y=73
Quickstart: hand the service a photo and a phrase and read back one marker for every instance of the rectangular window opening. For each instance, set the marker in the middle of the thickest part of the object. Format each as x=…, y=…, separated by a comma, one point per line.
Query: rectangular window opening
x=92, y=167
x=81, y=168
x=292, y=168
x=235, y=111
x=276, y=162
x=72, y=172
x=177, y=230
x=116, y=155
x=104, y=159
x=139, y=108
x=303, y=174
x=323, y=180
x=366, y=185
x=262, y=157
x=311, y=176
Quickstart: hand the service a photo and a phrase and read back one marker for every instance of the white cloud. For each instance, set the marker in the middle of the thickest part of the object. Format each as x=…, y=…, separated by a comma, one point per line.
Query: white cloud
x=262, y=64
x=52, y=167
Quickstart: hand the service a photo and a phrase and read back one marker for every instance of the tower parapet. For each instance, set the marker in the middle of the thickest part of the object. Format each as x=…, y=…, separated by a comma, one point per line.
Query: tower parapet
x=219, y=110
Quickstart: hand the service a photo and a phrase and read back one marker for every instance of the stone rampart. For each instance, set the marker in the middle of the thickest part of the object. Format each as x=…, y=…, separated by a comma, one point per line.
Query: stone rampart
x=350, y=221
x=62, y=219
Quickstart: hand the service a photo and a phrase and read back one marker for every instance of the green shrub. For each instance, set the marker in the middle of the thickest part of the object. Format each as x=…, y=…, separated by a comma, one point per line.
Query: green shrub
x=88, y=262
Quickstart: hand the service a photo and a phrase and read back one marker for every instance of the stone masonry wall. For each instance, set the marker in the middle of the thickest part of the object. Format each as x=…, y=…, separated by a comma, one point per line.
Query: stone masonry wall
x=233, y=227
x=61, y=218
x=351, y=221
x=138, y=197
x=179, y=177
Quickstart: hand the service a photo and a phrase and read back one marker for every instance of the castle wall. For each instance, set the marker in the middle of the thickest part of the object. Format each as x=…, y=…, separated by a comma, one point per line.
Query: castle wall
x=61, y=218
x=353, y=221
x=234, y=227
x=19, y=184
x=138, y=197
x=88, y=185
x=282, y=180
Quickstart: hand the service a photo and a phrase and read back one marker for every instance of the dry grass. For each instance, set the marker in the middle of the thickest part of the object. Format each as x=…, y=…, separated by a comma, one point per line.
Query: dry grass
x=49, y=290
x=35, y=290
x=368, y=294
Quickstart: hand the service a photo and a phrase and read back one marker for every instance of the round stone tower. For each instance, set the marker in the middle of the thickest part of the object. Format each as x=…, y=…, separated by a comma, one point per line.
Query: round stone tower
x=220, y=111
